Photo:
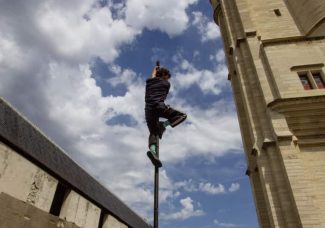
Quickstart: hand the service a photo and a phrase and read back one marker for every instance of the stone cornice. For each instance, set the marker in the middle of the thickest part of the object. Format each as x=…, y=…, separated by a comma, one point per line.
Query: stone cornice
x=281, y=103
x=288, y=40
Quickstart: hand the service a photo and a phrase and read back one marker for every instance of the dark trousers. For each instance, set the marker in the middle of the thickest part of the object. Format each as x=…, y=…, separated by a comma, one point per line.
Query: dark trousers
x=153, y=114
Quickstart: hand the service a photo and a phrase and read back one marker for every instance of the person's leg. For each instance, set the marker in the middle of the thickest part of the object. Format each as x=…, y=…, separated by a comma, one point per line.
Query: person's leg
x=152, y=123
x=162, y=127
x=174, y=116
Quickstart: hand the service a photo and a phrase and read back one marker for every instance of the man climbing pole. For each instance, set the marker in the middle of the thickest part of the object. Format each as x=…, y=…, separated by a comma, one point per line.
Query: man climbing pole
x=157, y=89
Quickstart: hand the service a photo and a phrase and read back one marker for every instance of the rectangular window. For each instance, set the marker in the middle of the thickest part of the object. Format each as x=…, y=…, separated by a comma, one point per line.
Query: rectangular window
x=318, y=80
x=305, y=82
x=311, y=76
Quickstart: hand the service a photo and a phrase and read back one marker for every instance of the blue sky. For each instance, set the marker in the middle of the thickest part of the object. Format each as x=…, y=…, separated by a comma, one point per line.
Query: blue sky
x=77, y=69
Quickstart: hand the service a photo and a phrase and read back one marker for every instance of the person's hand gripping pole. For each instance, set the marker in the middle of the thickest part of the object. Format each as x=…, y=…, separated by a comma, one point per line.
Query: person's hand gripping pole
x=154, y=72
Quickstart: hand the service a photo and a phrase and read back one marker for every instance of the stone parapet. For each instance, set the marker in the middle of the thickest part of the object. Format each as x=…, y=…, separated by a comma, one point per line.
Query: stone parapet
x=36, y=171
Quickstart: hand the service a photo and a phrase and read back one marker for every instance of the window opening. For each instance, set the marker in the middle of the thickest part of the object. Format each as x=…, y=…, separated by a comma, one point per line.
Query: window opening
x=318, y=80
x=305, y=82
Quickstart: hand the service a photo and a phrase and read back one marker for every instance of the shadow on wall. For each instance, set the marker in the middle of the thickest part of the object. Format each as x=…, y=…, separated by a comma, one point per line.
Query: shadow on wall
x=309, y=16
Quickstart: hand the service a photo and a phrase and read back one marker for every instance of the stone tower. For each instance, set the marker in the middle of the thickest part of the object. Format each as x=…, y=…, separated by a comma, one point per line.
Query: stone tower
x=275, y=51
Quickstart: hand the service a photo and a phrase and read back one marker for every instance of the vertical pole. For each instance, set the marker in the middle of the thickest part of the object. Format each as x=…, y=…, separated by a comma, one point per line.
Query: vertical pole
x=156, y=190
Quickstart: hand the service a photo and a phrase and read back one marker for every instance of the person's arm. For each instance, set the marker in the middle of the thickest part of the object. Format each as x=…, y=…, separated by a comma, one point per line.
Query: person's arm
x=154, y=72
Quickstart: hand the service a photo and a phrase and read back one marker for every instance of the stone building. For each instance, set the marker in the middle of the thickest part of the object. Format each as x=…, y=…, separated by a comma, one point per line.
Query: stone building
x=275, y=51
x=41, y=187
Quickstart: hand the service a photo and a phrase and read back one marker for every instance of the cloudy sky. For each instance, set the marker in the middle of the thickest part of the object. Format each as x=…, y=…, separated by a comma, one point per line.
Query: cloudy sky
x=77, y=70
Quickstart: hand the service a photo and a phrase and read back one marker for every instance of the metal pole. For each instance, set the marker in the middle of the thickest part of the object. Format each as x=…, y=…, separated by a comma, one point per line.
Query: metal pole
x=156, y=190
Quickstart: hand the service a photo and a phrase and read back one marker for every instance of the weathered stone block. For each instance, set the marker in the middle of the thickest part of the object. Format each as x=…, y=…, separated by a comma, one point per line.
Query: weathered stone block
x=15, y=213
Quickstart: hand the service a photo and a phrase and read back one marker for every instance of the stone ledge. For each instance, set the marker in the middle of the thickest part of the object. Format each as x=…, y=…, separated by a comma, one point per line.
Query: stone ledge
x=281, y=102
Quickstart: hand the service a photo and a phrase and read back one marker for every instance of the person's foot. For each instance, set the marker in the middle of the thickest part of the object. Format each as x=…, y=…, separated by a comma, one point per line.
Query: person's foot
x=154, y=159
x=162, y=129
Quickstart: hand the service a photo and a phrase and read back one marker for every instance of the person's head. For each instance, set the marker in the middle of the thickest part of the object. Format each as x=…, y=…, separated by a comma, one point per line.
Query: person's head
x=163, y=73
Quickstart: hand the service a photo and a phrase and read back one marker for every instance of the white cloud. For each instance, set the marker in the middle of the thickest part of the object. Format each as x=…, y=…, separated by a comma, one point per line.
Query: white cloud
x=211, y=32
x=122, y=76
x=234, y=187
x=209, y=81
x=201, y=127
x=75, y=38
x=186, y=212
x=196, y=54
x=226, y=225
x=205, y=187
x=211, y=189
x=219, y=57
x=186, y=185
x=207, y=29
x=159, y=15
